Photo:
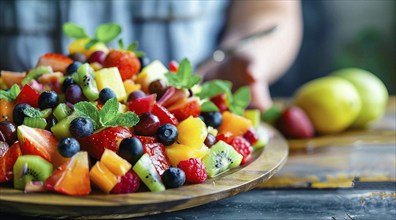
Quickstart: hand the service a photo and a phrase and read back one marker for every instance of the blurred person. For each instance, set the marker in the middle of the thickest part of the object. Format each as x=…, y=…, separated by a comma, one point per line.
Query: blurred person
x=166, y=30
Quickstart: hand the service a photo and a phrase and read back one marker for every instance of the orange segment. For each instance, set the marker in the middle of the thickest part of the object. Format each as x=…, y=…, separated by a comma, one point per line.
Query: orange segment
x=233, y=123
x=115, y=163
x=102, y=177
x=178, y=152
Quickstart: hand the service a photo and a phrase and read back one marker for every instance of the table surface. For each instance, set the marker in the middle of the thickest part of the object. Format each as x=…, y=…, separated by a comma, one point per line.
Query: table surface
x=345, y=176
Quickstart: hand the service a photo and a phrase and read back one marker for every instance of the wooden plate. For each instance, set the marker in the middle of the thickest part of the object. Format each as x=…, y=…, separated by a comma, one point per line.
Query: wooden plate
x=264, y=165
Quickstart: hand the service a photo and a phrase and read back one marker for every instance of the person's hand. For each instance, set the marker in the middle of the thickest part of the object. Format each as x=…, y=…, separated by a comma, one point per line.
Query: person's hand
x=241, y=70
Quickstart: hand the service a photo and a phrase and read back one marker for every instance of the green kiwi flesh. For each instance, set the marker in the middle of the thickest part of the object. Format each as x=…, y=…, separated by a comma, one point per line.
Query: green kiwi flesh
x=30, y=168
x=221, y=157
x=145, y=169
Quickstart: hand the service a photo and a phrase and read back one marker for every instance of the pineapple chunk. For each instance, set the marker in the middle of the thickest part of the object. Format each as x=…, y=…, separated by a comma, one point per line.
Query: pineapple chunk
x=115, y=163
x=130, y=86
x=155, y=70
x=102, y=177
x=111, y=78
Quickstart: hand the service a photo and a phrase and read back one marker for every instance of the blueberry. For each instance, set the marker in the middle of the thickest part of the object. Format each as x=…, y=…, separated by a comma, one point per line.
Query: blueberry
x=72, y=68
x=173, y=177
x=167, y=134
x=18, y=115
x=81, y=127
x=106, y=94
x=131, y=149
x=48, y=99
x=66, y=83
x=144, y=61
x=67, y=147
x=213, y=119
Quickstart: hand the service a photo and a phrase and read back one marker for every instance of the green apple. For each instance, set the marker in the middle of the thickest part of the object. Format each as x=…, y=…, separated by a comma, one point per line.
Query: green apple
x=372, y=91
x=331, y=103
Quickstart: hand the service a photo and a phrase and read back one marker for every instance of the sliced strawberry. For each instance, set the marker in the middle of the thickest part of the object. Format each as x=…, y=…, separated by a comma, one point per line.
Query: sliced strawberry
x=164, y=115
x=220, y=101
x=58, y=62
x=28, y=95
x=109, y=138
x=126, y=61
x=173, y=66
x=177, y=96
x=72, y=177
x=156, y=151
x=142, y=105
x=128, y=183
x=186, y=108
x=7, y=160
x=146, y=139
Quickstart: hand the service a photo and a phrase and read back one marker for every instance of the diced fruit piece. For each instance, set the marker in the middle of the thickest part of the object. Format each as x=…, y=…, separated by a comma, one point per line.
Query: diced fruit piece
x=135, y=95
x=30, y=168
x=35, y=122
x=48, y=99
x=178, y=152
x=8, y=157
x=220, y=101
x=10, y=78
x=210, y=140
x=9, y=131
x=6, y=109
x=72, y=177
x=18, y=114
x=212, y=119
x=102, y=177
x=164, y=115
x=61, y=111
x=148, y=124
x=74, y=94
x=167, y=134
x=131, y=149
x=220, y=158
x=254, y=116
x=177, y=96
x=155, y=70
x=111, y=78
x=78, y=46
x=37, y=141
x=145, y=169
x=251, y=136
x=115, y=163
x=28, y=95
x=235, y=124
x=294, y=123
x=62, y=128
x=173, y=177
x=87, y=82
x=142, y=105
x=264, y=137
x=68, y=147
x=128, y=183
x=81, y=127
x=97, y=57
x=147, y=139
x=185, y=108
x=109, y=138
x=126, y=62
x=194, y=169
x=130, y=86
x=58, y=62
x=156, y=151
x=51, y=81
x=170, y=91
x=173, y=66
x=192, y=132
x=35, y=73
x=73, y=67
x=158, y=87
x=240, y=144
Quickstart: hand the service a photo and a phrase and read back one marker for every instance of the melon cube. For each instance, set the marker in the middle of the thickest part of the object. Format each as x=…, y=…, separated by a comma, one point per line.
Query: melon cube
x=111, y=78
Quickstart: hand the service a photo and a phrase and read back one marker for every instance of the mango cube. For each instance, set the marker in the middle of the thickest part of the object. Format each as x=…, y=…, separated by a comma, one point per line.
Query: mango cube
x=111, y=78
x=102, y=177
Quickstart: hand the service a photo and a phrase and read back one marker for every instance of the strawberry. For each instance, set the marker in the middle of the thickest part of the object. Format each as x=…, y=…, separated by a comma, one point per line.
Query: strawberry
x=128, y=183
x=251, y=136
x=146, y=139
x=58, y=62
x=109, y=138
x=8, y=156
x=28, y=95
x=185, y=108
x=173, y=66
x=220, y=101
x=156, y=151
x=294, y=123
x=142, y=105
x=240, y=144
x=194, y=169
x=164, y=115
x=126, y=61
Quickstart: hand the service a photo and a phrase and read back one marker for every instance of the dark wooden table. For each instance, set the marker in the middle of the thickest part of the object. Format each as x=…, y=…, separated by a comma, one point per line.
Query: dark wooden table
x=346, y=176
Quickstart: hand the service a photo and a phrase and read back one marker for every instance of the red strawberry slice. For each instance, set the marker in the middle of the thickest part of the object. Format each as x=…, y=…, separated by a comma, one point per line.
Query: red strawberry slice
x=7, y=160
x=156, y=151
x=28, y=95
x=126, y=61
x=220, y=101
x=146, y=139
x=142, y=105
x=251, y=136
x=186, y=108
x=58, y=62
x=173, y=66
x=109, y=138
x=164, y=115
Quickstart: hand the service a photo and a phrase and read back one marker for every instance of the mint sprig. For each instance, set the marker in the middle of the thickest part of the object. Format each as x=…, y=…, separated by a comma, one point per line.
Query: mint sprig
x=11, y=94
x=108, y=116
x=236, y=102
x=33, y=113
x=184, y=78
x=74, y=31
x=131, y=47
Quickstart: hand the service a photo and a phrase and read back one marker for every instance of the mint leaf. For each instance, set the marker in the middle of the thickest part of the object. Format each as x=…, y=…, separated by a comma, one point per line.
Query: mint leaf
x=74, y=31
x=121, y=44
x=240, y=101
x=107, y=32
x=11, y=94
x=127, y=119
x=91, y=43
x=184, y=78
x=88, y=110
x=133, y=46
x=215, y=87
x=236, y=109
x=33, y=113
x=208, y=106
x=108, y=111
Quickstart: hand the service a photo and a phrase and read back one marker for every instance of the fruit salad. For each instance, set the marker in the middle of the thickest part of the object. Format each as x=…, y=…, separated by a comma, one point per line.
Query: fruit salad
x=109, y=119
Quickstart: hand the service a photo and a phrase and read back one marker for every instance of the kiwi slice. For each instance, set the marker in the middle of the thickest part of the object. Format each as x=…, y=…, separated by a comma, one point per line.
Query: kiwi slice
x=62, y=128
x=220, y=158
x=145, y=169
x=35, y=122
x=30, y=168
x=62, y=111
